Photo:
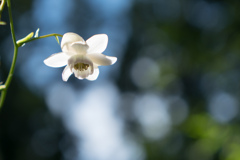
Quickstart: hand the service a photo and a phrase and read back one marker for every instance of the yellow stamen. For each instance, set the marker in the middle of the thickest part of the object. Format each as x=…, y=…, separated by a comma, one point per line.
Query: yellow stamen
x=81, y=66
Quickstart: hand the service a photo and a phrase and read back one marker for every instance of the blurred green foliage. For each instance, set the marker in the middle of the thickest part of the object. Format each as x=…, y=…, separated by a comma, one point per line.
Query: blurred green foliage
x=196, y=60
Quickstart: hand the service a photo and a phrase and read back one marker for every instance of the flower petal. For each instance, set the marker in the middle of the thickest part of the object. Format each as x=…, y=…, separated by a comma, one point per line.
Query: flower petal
x=97, y=43
x=101, y=59
x=66, y=73
x=57, y=60
x=68, y=39
x=94, y=76
x=79, y=78
x=79, y=48
x=81, y=74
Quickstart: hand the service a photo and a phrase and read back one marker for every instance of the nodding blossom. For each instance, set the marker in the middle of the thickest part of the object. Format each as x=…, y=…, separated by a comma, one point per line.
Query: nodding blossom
x=81, y=57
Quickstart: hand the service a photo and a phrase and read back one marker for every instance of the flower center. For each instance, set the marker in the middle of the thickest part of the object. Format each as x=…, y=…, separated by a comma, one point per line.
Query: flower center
x=81, y=66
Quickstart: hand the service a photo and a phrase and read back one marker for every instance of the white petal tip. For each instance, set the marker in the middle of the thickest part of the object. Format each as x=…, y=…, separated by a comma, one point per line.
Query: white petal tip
x=64, y=78
x=80, y=78
x=66, y=73
x=56, y=60
x=94, y=76
x=114, y=60
x=46, y=62
x=91, y=79
x=97, y=43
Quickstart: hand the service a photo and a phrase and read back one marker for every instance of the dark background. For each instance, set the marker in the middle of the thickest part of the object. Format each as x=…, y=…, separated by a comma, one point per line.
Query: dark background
x=185, y=52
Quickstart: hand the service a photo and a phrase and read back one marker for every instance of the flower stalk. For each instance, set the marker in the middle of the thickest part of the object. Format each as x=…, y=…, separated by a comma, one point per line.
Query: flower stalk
x=29, y=38
x=17, y=44
x=10, y=75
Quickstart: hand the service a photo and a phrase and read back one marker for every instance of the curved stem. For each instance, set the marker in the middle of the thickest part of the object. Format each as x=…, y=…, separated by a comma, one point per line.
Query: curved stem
x=40, y=37
x=10, y=75
x=48, y=35
x=4, y=87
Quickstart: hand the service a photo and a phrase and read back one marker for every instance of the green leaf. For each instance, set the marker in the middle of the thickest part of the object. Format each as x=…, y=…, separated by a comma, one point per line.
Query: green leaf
x=36, y=33
x=2, y=23
x=57, y=39
x=28, y=37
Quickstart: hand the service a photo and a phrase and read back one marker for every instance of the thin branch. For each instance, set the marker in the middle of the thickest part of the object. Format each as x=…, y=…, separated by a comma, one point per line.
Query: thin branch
x=10, y=75
x=20, y=43
x=16, y=44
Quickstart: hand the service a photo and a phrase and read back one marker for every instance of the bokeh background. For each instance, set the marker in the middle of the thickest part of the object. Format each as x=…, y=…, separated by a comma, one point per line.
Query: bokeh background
x=172, y=95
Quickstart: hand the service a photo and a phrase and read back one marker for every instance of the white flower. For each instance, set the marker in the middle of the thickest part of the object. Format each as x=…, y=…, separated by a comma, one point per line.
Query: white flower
x=82, y=58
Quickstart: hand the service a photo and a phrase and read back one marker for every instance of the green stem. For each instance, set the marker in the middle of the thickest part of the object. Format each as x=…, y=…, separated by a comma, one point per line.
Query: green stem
x=4, y=87
x=10, y=75
x=40, y=37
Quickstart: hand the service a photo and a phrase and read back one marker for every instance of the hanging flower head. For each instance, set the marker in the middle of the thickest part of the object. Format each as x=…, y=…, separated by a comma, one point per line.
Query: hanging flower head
x=82, y=58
